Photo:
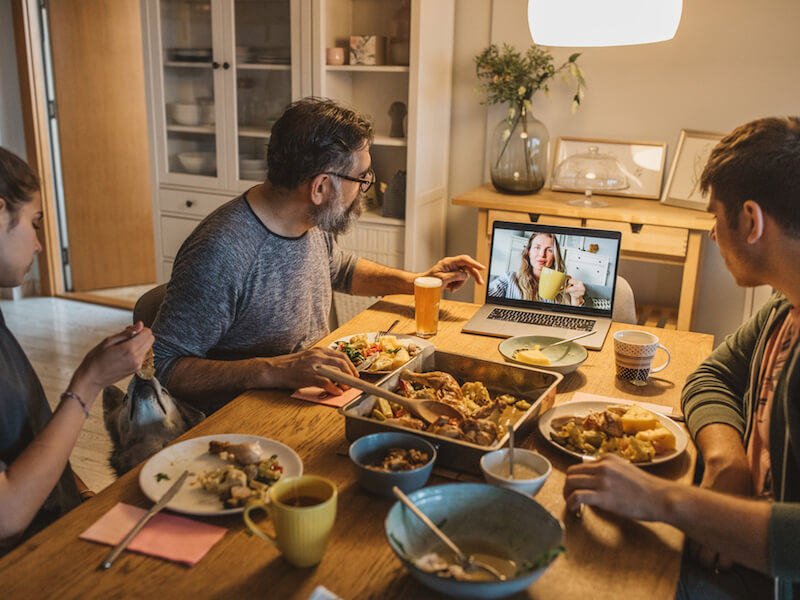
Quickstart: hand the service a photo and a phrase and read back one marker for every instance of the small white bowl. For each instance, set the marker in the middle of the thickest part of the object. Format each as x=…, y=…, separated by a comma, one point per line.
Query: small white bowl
x=199, y=163
x=495, y=470
x=186, y=114
x=248, y=163
x=253, y=174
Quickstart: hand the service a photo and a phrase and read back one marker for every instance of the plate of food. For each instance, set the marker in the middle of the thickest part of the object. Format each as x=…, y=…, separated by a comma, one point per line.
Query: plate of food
x=225, y=472
x=393, y=350
x=591, y=428
x=527, y=350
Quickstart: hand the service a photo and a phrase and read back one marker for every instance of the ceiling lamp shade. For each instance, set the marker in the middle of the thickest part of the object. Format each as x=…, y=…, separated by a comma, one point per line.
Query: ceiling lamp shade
x=603, y=22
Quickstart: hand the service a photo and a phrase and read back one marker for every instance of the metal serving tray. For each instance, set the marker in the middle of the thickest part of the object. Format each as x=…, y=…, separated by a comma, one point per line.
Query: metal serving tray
x=534, y=385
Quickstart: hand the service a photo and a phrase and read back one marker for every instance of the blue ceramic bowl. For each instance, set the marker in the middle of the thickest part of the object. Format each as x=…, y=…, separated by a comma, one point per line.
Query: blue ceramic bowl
x=370, y=449
x=514, y=525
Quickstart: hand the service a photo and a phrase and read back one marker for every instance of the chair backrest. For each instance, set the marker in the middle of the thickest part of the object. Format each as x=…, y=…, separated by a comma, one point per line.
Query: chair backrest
x=146, y=307
x=624, y=303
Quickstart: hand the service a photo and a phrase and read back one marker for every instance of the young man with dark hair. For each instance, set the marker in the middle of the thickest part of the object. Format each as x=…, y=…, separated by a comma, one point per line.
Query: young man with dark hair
x=251, y=287
x=742, y=405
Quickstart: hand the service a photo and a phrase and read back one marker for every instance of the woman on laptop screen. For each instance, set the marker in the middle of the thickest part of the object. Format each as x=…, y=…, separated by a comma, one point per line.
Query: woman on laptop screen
x=541, y=275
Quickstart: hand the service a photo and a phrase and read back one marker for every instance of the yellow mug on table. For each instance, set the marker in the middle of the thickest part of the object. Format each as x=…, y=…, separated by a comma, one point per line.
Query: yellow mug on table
x=302, y=510
x=550, y=283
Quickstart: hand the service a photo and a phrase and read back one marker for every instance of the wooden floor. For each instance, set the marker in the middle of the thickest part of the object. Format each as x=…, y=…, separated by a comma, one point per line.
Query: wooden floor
x=56, y=334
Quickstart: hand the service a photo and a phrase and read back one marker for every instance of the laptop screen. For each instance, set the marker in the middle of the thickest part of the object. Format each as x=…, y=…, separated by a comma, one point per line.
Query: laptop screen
x=548, y=267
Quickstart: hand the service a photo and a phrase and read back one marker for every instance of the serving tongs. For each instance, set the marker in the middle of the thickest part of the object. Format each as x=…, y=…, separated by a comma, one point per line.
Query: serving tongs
x=427, y=410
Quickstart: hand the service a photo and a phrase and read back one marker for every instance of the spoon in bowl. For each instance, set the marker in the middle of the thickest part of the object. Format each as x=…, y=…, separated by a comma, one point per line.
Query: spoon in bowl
x=467, y=561
x=427, y=410
x=510, y=451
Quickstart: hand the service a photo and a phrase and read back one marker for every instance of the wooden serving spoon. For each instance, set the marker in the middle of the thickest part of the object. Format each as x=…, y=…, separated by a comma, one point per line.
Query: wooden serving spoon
x=427, y=410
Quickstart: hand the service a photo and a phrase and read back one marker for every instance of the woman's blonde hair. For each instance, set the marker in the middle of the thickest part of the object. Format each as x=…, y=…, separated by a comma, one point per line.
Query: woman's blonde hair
x=526, y=280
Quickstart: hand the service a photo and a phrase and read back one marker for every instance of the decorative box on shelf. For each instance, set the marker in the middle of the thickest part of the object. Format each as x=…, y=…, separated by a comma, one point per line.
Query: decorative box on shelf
x=367, y=50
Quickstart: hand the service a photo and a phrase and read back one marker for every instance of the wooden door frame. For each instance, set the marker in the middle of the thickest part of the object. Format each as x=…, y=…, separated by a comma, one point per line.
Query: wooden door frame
x=35, y=120
x=30, y=69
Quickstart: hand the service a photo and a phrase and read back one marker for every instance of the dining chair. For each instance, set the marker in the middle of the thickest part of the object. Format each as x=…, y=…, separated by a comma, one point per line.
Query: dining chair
x=624, y=303
x=146, y=307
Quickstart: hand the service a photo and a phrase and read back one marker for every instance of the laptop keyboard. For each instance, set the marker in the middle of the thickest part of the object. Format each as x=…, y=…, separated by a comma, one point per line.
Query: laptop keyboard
x=546, y=319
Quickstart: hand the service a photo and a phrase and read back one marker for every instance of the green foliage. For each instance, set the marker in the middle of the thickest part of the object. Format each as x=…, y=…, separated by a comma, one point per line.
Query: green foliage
x=508, y=76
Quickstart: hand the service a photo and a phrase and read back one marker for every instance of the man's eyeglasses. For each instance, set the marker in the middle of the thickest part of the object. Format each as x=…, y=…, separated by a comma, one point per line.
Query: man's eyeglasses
x=365, y=183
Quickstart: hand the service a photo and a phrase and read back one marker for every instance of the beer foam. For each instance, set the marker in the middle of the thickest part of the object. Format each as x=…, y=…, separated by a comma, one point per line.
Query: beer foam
x=428, y=282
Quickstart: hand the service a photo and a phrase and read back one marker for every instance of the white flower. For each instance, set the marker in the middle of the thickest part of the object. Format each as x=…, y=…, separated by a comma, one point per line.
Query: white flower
x=574, y=108
x=512, y=112
x=521, y=90
x=506, y=134
x=573, y=70
x=527, y=104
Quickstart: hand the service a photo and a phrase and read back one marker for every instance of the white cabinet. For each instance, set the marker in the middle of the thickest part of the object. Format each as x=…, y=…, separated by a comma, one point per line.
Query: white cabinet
x=417, y=240
x=218, y=75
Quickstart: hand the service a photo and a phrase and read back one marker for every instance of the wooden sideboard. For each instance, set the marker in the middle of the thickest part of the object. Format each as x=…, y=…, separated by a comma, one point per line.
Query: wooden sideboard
x=650, y=230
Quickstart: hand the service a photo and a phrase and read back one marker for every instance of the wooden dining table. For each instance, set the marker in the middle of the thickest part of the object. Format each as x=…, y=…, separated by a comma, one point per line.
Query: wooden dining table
x=606, y=556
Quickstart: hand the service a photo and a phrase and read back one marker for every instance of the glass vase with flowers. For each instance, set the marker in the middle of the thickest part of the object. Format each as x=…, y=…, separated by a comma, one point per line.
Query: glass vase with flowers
x=519, y=145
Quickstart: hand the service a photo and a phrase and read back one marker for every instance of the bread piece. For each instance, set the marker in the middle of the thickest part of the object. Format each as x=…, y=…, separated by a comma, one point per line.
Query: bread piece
x=534, y=356
x=662, y=439
x=638, y=419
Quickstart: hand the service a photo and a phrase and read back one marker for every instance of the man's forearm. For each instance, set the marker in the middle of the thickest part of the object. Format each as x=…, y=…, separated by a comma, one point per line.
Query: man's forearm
x=198, y=376
x=372, y=279
x=726, y=466
x=739, y=525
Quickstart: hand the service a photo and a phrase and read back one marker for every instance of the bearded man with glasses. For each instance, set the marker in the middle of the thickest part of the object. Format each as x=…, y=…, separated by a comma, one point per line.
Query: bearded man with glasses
x=251, y=287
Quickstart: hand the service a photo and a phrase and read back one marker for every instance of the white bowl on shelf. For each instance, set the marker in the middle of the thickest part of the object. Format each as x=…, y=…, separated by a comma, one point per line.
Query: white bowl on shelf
x=253, y=174
x=185, y=114
x=198, y=163
x=252, y=163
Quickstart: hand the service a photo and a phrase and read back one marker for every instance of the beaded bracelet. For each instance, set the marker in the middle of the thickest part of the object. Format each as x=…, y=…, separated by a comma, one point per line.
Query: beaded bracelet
x=78, y=398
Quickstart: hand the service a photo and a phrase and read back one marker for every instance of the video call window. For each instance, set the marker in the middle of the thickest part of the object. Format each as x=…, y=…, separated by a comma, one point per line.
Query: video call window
x=545, y=266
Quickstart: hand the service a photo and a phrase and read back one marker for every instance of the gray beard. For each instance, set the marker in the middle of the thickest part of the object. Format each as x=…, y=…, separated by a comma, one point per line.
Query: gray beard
x=334, y=218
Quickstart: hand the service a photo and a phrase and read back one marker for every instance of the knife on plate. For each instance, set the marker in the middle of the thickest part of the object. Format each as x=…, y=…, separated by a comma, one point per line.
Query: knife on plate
x=162, y=502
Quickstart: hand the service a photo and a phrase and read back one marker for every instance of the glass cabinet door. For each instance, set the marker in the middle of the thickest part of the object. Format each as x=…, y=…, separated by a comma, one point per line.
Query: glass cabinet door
x=189, y=95
x=262, y=39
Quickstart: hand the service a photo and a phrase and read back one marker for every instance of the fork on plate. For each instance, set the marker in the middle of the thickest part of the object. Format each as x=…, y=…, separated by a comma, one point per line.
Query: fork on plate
x=380, y=334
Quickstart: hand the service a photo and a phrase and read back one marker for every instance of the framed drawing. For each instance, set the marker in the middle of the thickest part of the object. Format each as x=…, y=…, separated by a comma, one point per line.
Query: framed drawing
x=642, y=164
x=691, y=155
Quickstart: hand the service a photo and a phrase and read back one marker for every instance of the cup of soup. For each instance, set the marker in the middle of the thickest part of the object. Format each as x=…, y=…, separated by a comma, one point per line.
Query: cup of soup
x=302, y=510
x=531, y=470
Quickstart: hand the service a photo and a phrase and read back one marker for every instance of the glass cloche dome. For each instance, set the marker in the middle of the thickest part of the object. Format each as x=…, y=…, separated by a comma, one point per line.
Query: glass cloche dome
x=590, y=171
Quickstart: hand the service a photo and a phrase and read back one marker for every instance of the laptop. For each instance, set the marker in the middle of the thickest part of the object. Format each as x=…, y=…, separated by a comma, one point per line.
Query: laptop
x=517, y=300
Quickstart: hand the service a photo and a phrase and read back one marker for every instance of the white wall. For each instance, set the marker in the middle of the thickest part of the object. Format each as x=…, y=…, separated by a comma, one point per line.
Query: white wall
x=730, y=62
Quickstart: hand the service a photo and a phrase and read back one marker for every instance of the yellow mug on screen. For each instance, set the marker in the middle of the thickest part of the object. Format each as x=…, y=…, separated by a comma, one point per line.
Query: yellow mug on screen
x=302, y=510
x=550, y=283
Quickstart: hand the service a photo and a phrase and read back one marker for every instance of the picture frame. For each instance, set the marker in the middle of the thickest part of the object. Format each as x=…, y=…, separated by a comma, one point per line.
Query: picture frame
x=691, y=155
x=643, y=163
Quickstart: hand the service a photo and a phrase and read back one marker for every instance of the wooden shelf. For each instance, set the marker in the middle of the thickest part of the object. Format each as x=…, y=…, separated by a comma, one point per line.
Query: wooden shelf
x=651, y=315
x=263, y=67
x=204, y=129
x=367, y=68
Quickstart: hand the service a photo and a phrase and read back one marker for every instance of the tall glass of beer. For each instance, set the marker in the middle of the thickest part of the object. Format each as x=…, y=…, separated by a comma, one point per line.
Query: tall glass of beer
x=427, y=293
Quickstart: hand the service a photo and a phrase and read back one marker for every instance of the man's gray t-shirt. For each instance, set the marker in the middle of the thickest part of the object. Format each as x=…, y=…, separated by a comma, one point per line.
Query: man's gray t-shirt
x=239, y=291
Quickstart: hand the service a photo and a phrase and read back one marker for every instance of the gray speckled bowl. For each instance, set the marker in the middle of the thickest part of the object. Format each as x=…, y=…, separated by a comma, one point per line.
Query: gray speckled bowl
x=468, y=511
x=563, y=359
x=370, y=449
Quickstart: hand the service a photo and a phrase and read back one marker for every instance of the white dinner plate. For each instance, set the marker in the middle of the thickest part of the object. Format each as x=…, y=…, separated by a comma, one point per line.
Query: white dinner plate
x=401, y=338
x=582, y=408
x=193, y=455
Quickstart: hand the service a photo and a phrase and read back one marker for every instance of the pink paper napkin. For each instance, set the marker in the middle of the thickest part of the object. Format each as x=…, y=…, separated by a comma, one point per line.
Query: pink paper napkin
x=165, y=536
x=312, y=393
